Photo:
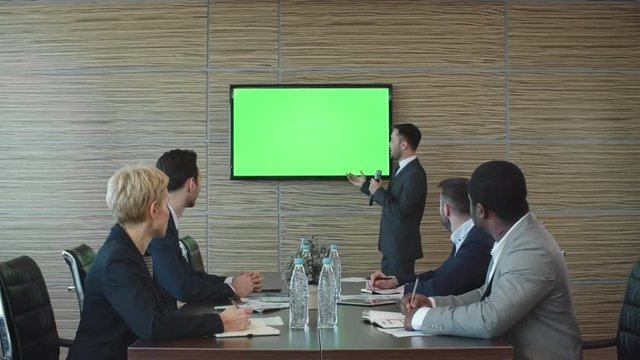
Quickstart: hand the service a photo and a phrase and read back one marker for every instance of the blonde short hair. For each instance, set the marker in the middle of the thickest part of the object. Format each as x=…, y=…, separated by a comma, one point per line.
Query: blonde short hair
x=132, y=189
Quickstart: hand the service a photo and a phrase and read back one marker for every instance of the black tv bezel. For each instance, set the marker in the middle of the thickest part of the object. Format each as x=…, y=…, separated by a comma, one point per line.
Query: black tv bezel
x=232, y=87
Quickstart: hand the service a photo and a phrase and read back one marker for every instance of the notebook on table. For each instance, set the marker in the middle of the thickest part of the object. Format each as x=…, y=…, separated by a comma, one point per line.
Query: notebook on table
x=384, y=319
x=257, y=328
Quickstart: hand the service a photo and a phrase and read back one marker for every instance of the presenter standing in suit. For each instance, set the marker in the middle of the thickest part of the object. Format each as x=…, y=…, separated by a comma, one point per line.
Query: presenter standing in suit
x=402, y=203
x=172, y=273
x=121, y=302
x=526, y=299
x=466, y=267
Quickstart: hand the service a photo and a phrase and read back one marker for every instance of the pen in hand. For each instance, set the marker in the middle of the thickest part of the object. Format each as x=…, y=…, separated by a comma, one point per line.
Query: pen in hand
x=413, y=294
x=235, y=303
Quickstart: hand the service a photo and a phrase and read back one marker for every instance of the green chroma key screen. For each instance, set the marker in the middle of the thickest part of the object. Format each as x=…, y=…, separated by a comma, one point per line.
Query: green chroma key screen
x=309, y=131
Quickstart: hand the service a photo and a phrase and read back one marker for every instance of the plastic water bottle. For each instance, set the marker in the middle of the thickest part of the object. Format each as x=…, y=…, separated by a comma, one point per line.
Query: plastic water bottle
x=304, y=239
x=298, y=296
x=307, y=261
x=337, y=266
x=327, y=297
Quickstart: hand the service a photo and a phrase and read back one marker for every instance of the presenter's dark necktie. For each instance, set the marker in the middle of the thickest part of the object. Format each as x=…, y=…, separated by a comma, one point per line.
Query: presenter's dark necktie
x=394, y=172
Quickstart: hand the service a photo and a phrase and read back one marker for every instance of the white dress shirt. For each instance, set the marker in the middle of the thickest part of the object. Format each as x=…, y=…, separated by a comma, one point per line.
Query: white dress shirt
x=403, y=163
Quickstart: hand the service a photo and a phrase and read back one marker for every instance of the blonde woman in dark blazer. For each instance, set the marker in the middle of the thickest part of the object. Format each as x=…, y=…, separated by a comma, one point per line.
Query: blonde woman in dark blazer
x=121, y=301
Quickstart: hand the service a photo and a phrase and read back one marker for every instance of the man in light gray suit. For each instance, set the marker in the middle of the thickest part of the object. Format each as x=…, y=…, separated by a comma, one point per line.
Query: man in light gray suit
x=526, y=299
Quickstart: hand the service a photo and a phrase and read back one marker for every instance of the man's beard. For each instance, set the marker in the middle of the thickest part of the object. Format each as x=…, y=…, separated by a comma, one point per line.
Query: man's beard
x=446, y=223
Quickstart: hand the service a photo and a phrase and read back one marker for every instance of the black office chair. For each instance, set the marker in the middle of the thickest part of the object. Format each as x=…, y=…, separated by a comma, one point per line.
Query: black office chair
x=27, y=326
x=79, y=259
x=628, y=336
x=191, y=251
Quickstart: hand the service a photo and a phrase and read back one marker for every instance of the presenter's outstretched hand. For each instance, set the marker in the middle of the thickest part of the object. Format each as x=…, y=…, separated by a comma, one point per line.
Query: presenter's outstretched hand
x=380, y=281
x=419, y=301
x=357, y=180
x=243, y=284
x=235, y=318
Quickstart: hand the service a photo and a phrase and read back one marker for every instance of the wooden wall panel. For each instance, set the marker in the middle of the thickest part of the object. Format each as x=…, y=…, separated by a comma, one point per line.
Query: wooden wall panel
x=243, y=242
x=580, y=176
x=574, y=105
x=598, y=309
x=104, y=108
x=244, y=34
x=598, y=246
x=392, y=34
x=443, y=105
x=70, y=35
x=584, y=35
x=75, y=175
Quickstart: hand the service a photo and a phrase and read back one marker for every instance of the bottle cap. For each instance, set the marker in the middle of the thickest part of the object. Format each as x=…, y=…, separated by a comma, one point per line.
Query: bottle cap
x=298, y=261
x=306, y=247
x=334, y=247
x=326, y=261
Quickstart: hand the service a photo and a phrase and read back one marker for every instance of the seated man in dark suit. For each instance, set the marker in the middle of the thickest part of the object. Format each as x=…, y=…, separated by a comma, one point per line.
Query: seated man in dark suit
x=466, y=266
x=173, y=274
x=122, y=303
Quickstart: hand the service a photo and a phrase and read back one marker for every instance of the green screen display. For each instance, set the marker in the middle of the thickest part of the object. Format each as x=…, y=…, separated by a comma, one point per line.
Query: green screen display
x=282, y=131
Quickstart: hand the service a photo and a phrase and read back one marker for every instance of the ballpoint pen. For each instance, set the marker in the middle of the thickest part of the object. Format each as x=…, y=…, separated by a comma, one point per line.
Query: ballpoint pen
x=413, y=294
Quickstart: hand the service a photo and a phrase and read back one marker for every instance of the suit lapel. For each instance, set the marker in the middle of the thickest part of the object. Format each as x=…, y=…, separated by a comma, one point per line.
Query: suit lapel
x=171, y=227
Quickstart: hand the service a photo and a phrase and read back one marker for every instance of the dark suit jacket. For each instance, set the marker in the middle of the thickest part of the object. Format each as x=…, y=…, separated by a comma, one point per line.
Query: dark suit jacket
x=403, y=205
x=122, y=304
x=461, y=272
x=177, y=279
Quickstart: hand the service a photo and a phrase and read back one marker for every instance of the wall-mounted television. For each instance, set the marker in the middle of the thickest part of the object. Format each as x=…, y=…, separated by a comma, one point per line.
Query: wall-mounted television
x=309, y=131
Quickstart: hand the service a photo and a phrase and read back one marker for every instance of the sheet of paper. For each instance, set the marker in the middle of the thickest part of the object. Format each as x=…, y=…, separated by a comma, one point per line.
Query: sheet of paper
x=257, y=305
x=403, y=332
x=353, y=279
x=271, y=321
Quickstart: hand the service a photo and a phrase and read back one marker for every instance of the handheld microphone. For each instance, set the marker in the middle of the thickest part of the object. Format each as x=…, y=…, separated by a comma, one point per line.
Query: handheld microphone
x=376, y=178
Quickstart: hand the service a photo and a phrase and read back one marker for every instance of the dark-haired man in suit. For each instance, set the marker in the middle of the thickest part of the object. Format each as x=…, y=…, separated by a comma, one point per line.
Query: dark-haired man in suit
x=466, y=266
x=402, y=203
x=170, y=270
x=526, y=298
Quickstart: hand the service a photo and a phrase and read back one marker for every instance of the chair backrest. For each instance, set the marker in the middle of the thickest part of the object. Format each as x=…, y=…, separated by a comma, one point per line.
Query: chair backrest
x=27, y=325
x=190, y=247
x=629, y=325
x=79, y=259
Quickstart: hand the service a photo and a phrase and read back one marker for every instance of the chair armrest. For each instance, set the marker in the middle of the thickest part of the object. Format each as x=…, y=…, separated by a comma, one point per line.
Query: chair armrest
x=65, y=342
x=598, y=344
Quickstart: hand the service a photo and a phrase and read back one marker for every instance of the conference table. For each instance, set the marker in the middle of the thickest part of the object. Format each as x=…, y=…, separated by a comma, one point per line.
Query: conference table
x=351, y=339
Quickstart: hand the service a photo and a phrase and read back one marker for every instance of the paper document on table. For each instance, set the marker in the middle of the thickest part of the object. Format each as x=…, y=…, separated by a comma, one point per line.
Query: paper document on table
x=257, y=305
x=257, y=328
x=384, y=319
x=353, y=279
x=271, y=321
x=399, y=332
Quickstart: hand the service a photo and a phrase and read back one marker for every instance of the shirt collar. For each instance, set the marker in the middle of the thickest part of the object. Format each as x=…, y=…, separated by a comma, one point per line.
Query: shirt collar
x=174, y=216
x=498, y=245
x=458, y=236
x=404, y=162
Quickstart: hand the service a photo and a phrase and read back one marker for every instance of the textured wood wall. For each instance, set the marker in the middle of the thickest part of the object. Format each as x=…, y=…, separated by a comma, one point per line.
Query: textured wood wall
x=551, y=85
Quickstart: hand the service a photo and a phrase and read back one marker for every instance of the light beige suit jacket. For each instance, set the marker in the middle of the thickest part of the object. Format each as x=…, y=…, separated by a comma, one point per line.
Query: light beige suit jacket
x=529, y=305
